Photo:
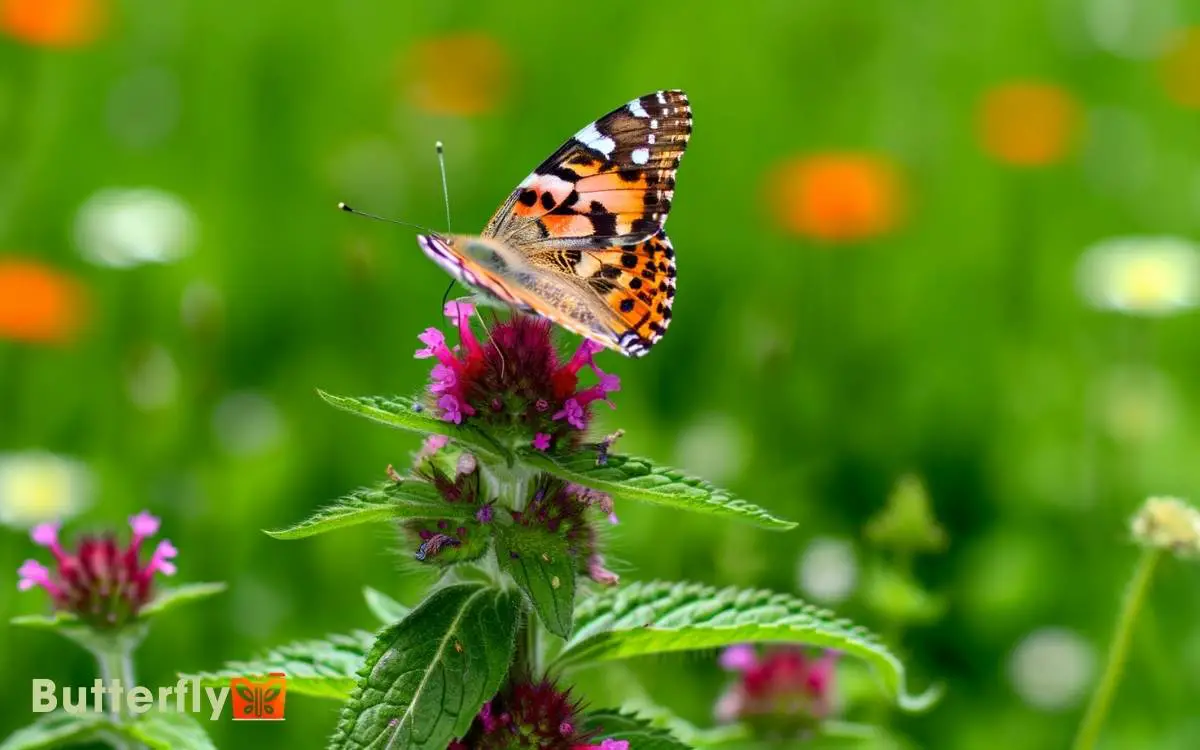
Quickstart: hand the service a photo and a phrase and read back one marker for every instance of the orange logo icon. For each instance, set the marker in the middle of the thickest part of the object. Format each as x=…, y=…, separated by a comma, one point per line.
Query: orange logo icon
x=259, y=700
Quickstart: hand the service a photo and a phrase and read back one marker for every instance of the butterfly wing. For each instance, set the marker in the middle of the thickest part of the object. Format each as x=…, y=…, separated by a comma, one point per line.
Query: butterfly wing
x=610, y=184
x=581, y=240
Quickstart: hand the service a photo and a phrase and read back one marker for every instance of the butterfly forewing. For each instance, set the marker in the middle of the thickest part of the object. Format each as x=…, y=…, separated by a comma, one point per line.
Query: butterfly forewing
x=612, y=181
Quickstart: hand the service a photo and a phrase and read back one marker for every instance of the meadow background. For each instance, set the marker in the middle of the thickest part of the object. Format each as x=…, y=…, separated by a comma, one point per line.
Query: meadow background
x=894, y=226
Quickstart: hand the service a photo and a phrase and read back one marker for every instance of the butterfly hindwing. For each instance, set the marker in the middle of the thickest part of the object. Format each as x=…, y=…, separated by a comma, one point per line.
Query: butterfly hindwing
x=611, y=183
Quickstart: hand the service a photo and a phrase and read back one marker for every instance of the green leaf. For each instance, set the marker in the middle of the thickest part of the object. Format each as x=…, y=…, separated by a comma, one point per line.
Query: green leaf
x=543, y=569
x=57, y=729
x=387, y=609
x=630, y=478
x=410, y=499
x=320, y=668
x=641, y=734
x=428, y=675
x=116, y=641
x=403, y=413
x=659, y=617
x=168, y=731
x=171, y=598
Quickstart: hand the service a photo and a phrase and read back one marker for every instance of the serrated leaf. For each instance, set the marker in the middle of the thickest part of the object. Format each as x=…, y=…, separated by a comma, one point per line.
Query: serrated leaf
x=660, y=617
x=57, y=729
x=52, y=621
x=640, y=733
x=410, y=499
x=168, y=730
x=320, y=668
x=632, y=478
x=429, y=674
x=384, y=607
x=545, y=572
x=400, y=412
x=169, y=599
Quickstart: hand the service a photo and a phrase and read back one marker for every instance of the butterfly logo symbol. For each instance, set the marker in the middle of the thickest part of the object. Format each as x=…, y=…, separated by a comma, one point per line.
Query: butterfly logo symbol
x=580, y=241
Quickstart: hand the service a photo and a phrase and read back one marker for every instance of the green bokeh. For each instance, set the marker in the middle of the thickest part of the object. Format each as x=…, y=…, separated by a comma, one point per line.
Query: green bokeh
x=955, y=347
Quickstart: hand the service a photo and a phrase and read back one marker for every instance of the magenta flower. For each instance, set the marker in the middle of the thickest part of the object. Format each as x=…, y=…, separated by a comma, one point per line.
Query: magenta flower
x=785, y=688
x=561, y=509
x=101, y=583
x=514, y=381
x=538, y=716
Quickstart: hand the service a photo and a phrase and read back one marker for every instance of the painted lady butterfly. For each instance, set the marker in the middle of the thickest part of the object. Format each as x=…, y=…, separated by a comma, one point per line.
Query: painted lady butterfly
x=581, y=240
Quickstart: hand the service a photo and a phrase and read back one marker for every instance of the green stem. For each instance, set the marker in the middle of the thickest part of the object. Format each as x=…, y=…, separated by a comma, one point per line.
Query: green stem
x=111, y=663
x=522, y=667
x=1118, y=652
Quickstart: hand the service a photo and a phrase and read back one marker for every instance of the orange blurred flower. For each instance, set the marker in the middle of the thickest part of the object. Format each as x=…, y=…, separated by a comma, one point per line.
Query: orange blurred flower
x=54, y=23
x=37, y=303
x=1028, y=124
x=837, y=197
x=1180, y=69
x=463, y=74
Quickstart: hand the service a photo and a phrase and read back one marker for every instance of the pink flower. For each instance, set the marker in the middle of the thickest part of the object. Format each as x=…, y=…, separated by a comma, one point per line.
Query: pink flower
x=572, y=411
x=785, y=688
x=101, y=582
x=541, y=441
x=513, y=381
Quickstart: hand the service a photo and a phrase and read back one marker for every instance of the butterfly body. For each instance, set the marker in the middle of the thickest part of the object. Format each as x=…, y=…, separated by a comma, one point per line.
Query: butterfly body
x=580, y=241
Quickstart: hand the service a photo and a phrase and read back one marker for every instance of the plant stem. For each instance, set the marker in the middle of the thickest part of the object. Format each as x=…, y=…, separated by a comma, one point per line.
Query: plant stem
x=1135, y=596
x=111, y=661
x=522, y=667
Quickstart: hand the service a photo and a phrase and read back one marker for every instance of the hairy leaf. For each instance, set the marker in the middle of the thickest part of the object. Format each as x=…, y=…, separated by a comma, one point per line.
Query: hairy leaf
x=387, y=609
x=410, y=499
x=427, y=676
x=640, y=733
x=631, y=478
x=168, y=731
x=654, y=618
x=409, y=414
x=321, y=668
x=169, y=599
x=541, y=566
x=57, y=729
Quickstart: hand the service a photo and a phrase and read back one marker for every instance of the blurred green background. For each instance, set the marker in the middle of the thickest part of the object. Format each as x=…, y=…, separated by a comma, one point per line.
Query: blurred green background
x=880, y=226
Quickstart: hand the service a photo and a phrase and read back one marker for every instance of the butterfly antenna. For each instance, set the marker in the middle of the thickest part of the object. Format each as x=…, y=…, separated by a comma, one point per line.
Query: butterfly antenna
x=351, y=210
x=441, y=154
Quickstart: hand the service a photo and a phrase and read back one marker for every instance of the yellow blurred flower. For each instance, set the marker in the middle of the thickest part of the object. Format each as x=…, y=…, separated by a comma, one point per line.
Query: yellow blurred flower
x=38, y=487
x=461, y=74
x=1141, y=275
x=37, y=303
x=837, y=197
x=1168, y=523
x=1028, y=124
x=53, y=23
x=1180, y=68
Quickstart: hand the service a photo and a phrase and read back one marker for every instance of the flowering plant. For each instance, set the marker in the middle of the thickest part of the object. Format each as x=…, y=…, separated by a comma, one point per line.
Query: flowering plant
x=507, y=500
x=104, y=596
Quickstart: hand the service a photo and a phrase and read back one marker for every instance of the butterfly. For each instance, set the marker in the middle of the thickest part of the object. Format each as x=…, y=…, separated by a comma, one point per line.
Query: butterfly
x=580, y=241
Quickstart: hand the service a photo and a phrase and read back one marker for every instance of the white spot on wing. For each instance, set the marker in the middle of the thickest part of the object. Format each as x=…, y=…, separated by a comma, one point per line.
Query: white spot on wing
x=594, y=139
x=650, y=139
x=661, y=99
x=640, y=155
x=654, y=124
x=637, y=109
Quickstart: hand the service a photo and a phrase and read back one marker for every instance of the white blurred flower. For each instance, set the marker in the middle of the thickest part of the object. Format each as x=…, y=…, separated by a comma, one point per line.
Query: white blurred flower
x=1168, y=523
x=712, y=446
x=247, y=423
x=1051, y=668
x=1141, y=275
x=125, y=228
x=153, y=379
x=827, y=570
x=1129, y=28
x=37, y=487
